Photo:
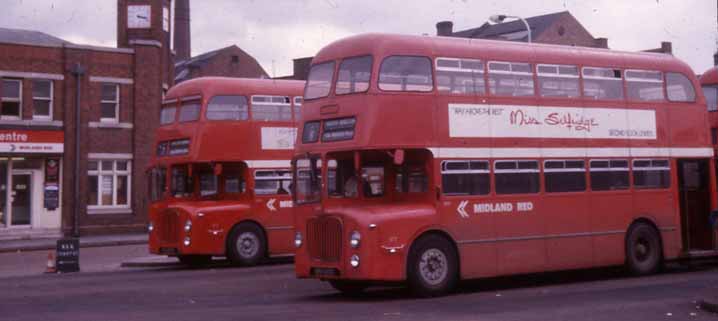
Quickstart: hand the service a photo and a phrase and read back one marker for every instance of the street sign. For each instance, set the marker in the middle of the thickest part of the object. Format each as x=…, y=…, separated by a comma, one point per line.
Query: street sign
x=68, y=255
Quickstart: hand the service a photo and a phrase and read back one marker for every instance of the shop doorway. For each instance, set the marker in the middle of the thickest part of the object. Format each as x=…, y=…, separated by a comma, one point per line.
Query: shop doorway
x=21, y=195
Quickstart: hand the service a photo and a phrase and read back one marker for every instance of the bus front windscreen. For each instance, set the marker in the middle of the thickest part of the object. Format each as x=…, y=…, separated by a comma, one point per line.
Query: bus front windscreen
x=319, y=82
x=308, y=177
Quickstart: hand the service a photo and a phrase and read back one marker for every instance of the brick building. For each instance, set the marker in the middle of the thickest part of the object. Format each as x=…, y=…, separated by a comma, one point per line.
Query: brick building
x=229, y=61
x=45, y=190
x=559, y=28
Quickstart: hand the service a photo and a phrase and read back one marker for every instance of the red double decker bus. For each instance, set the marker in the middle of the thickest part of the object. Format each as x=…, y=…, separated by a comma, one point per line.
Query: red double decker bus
x=427, y=160
x=219, y=183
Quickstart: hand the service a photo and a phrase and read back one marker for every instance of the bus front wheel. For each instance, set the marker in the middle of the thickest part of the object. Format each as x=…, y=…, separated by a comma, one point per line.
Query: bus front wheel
x=643, y=249
x=247, y=244
x=433, y=266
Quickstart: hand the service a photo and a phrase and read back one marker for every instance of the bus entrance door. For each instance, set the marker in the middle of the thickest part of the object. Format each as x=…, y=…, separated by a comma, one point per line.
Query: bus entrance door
x=694, y=189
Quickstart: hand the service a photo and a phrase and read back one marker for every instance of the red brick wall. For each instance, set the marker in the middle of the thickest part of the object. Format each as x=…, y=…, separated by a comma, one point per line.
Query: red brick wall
x=567, y=31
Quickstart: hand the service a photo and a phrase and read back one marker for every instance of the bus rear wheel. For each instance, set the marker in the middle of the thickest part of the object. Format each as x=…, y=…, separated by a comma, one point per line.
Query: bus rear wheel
x=247, y=244
x=432, y=266
x=195, y=260
x=349, y=288
x=643, y=249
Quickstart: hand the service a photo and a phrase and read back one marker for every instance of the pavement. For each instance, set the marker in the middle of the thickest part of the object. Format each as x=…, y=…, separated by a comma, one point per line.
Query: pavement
x=85, y=242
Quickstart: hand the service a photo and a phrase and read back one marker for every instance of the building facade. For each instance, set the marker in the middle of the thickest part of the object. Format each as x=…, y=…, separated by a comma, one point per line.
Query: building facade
x=64, y=172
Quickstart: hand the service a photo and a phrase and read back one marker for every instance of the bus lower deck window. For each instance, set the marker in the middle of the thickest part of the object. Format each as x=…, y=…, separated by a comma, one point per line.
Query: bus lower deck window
x=465, y=177
x=651, y=173
x=565, y=176
x=608, y=175
x=516, y=177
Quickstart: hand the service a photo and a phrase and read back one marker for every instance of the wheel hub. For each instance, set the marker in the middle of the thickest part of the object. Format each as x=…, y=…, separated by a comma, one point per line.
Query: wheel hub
x=433, y=266
x=247, y=245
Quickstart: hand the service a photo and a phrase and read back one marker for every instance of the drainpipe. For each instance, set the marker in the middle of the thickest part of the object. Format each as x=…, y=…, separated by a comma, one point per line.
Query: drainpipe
x=78, y=71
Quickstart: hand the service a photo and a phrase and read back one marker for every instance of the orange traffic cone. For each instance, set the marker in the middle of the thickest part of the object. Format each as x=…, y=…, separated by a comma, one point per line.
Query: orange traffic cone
x=50, y=263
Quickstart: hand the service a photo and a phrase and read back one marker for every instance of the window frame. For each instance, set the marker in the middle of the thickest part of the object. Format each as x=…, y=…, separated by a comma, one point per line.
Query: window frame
x=627, y=169
x=333, y=65
x=628, y=79
x=251, y=104
x=188, y=101
x=285, y=177
x=564, y=169
x=17, y=100
x=338, y=75
x=620, y=79
x=481, y=73
x=558, y=74
x=530, y=73
x=635, y=169
x=517, y=170
x=115, y=173
x=431, y=75
x=209, y=104
x=668, y=92
x=444, y=171
x=49, y=99
x=116, y=102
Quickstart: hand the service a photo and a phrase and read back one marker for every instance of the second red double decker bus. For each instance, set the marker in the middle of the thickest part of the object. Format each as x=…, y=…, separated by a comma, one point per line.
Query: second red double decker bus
x=219, y=183
x=430, y=159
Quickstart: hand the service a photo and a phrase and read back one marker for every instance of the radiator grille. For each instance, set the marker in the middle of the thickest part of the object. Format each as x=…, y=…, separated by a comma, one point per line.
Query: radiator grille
x=324, y=238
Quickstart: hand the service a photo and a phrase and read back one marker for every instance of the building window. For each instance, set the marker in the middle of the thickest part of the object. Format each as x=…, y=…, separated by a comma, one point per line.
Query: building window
x=42, y=92
x=11, y=100
x=110, y=103
x=108, y=183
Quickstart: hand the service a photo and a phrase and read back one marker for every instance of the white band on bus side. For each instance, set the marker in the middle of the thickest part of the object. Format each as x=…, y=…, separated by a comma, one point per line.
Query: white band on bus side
x=285, y=163
x=463, y=152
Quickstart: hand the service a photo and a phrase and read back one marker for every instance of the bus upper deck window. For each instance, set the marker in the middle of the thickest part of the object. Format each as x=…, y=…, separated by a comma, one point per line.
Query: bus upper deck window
x=644, y=85
x=602, y=83
x=354, y=74
x=679, y=87
x=319, y=81
x=189, y=111
x=168, y=112
x=511, y=79
x=460, y=75
x=406, y=73
x=558, y=81
x=227, y=108
x=271, y=108
x=711, y=94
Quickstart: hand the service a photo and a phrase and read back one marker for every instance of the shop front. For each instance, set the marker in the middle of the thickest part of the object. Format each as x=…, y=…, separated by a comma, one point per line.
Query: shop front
x=30, y=183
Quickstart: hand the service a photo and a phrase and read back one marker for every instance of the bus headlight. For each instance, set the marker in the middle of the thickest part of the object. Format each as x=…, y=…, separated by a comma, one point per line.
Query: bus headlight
x=298, y=239
x=354, y=261
x=187, y=241
x=150, y=227
x=355, y=239
x=187, y=226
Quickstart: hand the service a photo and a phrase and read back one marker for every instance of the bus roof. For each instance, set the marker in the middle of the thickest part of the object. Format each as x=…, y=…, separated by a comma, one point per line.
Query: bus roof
x=710, y=77
x=380, y=45
x=211, y=86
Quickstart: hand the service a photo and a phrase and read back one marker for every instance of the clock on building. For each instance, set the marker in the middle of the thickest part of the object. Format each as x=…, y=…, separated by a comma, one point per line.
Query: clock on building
x=138, y=16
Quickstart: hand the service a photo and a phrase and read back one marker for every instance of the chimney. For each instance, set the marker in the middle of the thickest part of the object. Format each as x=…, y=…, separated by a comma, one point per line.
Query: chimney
x=445, y=28
x=667, y=47
x=182, y=44
x=602, y=43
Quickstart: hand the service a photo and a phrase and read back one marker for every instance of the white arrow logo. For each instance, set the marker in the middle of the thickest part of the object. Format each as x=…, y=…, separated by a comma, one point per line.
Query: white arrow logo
x=270, y=204
x=462, y=209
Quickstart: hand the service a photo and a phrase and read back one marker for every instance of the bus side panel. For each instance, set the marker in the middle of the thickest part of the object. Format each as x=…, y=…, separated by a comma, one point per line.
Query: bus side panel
x=566, y=214
x=609, y=213
x=660, y=206
x=473, y=234
x=520, y=247
x=275, y=215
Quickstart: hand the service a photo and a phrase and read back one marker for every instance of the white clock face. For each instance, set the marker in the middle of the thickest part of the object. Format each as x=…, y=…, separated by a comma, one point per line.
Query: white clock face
x=138, y=16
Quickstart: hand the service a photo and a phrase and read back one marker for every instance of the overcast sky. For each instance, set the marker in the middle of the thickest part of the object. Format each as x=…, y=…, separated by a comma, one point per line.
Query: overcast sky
x=276, y=31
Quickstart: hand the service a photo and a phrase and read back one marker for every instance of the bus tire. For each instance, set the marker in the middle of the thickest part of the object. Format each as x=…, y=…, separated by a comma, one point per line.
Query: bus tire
x=195, y=261
x=432, y=266
x=247, y=245
x=349, y=288
x=643, y=249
